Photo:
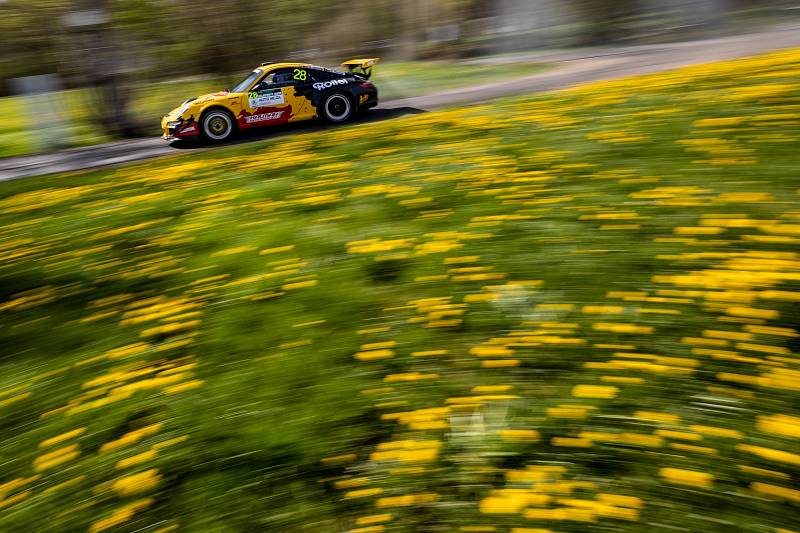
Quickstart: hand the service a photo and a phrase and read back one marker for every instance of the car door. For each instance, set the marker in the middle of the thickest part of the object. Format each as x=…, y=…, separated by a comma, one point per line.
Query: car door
x=273, y=100
x=266, y=103
x=300, y=83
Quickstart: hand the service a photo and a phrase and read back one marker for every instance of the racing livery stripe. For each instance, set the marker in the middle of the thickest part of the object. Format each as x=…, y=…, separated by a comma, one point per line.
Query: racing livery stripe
x=264, y=116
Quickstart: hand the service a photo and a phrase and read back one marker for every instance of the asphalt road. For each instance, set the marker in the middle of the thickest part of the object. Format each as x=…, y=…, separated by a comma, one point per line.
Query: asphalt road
x=569, y=68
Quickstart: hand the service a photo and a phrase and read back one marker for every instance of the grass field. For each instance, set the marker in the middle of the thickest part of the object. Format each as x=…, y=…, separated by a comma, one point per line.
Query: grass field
x=395, y=80
x=569, y=312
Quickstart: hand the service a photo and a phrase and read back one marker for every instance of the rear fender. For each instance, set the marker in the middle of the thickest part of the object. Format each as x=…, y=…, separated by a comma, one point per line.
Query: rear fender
x=317, y=95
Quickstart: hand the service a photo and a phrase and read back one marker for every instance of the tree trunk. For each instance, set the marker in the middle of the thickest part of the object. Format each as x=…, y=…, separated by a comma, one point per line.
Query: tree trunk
x=604, y=19
x=100, y=65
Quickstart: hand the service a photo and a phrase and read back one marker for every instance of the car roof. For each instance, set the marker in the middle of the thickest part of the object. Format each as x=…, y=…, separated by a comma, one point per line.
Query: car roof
x=271, y=66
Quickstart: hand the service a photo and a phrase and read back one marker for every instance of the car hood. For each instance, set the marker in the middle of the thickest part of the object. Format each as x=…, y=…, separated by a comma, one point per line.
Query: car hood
x=202, y=99
x=211, y=96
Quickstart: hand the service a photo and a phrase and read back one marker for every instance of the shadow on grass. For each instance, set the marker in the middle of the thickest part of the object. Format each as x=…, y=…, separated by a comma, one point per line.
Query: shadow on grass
x=306, y=126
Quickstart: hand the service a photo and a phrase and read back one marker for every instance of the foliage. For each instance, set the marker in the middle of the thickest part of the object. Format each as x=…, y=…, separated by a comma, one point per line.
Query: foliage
x=158, y=39
x=155, y=40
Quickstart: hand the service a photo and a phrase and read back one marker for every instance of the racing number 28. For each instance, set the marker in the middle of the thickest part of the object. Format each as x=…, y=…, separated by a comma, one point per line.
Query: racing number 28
x=300, y=74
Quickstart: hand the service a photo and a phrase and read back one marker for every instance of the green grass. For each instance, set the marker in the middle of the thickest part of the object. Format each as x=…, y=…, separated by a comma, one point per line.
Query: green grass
x=403, y=80
x=395, y=80
x=489, y=317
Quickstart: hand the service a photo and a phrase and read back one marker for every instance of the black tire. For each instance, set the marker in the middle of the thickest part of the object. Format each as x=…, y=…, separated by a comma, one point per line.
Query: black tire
x=217, y=125
x=336, y=107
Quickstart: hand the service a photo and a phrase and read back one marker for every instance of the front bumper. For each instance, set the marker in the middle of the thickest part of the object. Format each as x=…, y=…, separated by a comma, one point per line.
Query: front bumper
x=179, y=129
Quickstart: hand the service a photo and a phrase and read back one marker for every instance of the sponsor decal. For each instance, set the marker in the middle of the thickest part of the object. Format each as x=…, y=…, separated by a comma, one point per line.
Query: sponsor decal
x=188, y=131
x=363, y=98
x=265, y=98
x=263, y=117
x=332, y=83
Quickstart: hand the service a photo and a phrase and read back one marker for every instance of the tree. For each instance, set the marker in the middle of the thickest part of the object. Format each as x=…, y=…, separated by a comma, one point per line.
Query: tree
x=101, y=66
x=604, y=20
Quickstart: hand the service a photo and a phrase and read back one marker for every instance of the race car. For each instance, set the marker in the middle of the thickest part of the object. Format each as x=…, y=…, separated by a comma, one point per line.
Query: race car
x=276, y=93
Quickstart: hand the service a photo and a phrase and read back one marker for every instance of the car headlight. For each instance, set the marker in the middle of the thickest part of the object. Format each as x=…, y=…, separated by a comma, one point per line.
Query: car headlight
x=184, y=106
x=174, y=124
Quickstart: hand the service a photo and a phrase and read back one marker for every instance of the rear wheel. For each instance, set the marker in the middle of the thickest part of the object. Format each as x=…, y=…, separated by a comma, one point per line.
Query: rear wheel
x=336, y=107
x=217, y=125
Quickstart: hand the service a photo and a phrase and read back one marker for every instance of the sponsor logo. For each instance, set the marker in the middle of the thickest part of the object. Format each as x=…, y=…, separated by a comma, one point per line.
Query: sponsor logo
x=188, y=130
x=332, y=83
x=265, y=98
x=263, y=116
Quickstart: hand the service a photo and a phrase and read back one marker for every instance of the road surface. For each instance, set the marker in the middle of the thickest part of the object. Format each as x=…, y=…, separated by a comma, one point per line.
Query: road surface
x=569, y=68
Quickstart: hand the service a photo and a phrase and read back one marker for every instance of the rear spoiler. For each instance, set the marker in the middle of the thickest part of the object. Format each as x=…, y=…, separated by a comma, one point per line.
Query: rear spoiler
x=361, y=66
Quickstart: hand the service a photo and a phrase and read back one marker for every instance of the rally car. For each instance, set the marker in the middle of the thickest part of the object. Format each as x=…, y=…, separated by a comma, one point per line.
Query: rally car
x=276, y=93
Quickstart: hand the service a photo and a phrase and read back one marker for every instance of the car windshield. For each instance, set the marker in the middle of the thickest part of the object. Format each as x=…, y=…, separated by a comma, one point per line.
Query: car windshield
x=245, y=83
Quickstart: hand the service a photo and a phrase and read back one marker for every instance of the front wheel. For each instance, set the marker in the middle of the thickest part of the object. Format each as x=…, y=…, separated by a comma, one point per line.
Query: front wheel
x=336, y=108
x=217, y=126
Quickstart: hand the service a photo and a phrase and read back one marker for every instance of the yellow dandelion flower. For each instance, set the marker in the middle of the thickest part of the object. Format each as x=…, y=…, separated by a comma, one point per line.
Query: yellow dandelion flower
x=407, y=500
x=774, y=490
x=373, y=519
x=136, y=459
x=62, y=437
x=137, y=483
x=595, y=391
x=620, y=500
x=667, y=418
x=363, y=493
x=121, y=515
x=519, y=434
x=788, y=426
x=751, y=312
x=770, y=454
x=687, y=477
x=572, y=442
x=55, y=458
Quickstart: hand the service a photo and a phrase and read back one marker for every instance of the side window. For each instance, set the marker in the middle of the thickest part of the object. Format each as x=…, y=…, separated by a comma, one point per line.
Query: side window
x=283, y=77
x=268, y=79
x=288, y=76
x=277, y=78
x=320, y=75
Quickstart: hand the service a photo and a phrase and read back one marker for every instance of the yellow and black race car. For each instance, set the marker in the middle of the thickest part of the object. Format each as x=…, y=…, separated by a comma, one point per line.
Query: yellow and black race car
x=276, y=93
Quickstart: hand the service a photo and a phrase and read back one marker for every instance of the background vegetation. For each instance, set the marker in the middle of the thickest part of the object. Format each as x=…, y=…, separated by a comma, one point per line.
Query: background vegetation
x=160, y=39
